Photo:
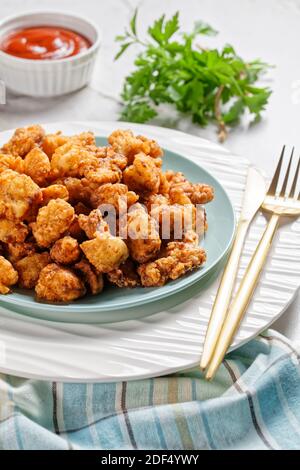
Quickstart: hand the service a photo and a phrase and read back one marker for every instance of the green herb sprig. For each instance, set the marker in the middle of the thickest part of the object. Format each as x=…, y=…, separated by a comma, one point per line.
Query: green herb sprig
x=207, y=84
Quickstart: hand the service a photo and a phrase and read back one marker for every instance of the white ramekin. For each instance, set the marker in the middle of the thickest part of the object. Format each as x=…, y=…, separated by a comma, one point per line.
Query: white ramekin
x=45, y=78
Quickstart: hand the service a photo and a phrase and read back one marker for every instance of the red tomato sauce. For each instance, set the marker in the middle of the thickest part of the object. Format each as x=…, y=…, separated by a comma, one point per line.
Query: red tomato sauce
x=44, y=43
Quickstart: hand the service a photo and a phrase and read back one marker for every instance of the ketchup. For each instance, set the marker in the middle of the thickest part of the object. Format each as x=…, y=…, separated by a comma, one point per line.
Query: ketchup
x=44, y=43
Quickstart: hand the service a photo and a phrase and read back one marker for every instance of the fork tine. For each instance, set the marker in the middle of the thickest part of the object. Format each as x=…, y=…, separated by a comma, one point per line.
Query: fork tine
x=274, y=182
x=294, y=185
x=287, y=175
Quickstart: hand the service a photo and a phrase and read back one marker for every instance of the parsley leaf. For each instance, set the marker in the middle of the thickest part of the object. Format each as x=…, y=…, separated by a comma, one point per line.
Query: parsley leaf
x=210, y=85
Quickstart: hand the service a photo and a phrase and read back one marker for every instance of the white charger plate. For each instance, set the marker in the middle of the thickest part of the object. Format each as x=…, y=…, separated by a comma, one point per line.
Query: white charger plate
x=172, y=339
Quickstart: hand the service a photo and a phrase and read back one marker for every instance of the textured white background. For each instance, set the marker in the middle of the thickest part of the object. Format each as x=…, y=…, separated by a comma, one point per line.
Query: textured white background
x=268, y=29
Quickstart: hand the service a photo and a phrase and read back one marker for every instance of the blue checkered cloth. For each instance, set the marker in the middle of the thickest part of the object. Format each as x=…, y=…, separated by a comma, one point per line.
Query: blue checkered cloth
x=254, y=403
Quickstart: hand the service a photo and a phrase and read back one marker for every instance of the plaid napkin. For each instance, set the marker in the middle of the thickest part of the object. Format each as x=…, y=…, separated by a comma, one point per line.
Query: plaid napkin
x=254, y=403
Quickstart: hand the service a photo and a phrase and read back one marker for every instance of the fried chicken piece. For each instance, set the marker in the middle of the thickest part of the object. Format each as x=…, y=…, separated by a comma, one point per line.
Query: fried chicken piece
x=10, y=162
x=73, y=160
x=85, y=139
x=18, y=195
x=52, y=222
x=57, y=284
x=54, y=191
x=102, y=175
x=105, y=252
x=125, y=275
x=8, y=275
x=198, y=193
x=175, y=219
x=23, y=140
x=52, y=141
x=142, y=176
x=93, y=223
x=143, y=237
x=29, y=268
x=37, y=166
x=12, y=232
x=93, y=279
x=116, y=195
x=17, y=251
x=125, y=142
x=178, y=259
x=77, y=190
x=65, y=250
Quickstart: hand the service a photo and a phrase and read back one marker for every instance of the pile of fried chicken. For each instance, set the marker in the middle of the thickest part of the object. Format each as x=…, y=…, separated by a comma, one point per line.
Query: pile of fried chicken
x=53, y=235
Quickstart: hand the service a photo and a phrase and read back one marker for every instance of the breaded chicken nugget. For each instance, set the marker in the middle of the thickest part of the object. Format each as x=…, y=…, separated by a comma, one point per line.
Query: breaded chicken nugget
x=10, y=162
x=93, y=223
x=12, y=232
x=113, y=194
x=143, y=237
x=23, y=140
x=143, y=175
x=8, y=275
x=72, y=160
x=93, y=279
x=17, y=251
x=177, y=259
x=29, y=268
x=65, y=251
x=78, y=191
x=105, y=252
x=52, y=141
x=18, y=195
x=57, y=284
x=125, y=142
x=37, y=166
x=198, y=193
x=54, y=191
x=52, y=222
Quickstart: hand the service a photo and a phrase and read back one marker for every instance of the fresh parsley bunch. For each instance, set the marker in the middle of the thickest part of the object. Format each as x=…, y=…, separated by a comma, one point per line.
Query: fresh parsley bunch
x=207, y=84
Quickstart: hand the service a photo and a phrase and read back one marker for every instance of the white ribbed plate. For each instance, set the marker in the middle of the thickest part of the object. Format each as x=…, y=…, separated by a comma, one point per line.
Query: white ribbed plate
x=163, y=342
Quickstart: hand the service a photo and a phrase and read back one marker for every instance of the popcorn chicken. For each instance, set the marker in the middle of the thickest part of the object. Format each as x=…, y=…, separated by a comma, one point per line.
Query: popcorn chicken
x=65, y=251
x=17, y=251
x=12, y=232
x=29, y=268
x=52, y=141
x=143, y=237
x=125, y=275
x=93, y=279
x=52, y=222
x=125, y=142
x=18, y=195
x=72, y=160
x=77, y=190
x=57, y=284
x=177, y=260
x=37, y=166
x=143, y=175
x=115, y=195
x=8, y=275
x=105, y=252
x=93, y=223
x=80, y=203
x=23, y=140
x=10, y=162
x=54, y=191
x=196, y=192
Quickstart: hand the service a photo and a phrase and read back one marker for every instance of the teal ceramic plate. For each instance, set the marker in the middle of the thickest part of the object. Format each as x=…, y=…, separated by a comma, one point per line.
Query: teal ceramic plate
x=217, y=241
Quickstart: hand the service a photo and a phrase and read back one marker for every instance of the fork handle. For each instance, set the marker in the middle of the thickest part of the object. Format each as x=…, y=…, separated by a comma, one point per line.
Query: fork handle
x=243, y=296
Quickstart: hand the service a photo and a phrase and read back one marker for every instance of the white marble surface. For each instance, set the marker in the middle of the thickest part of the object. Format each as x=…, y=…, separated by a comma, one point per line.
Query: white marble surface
x=268, y=29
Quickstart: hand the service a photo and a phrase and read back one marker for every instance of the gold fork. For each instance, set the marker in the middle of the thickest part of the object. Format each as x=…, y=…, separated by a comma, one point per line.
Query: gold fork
x=278, y=202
